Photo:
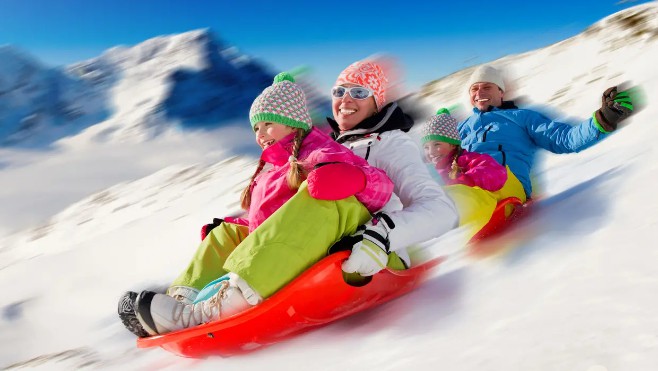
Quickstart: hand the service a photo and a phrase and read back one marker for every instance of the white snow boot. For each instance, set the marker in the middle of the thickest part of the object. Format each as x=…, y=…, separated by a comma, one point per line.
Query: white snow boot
x=159, y=314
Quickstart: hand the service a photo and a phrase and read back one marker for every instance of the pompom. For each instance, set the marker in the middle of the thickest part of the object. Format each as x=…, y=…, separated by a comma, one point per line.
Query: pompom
x=283, y=76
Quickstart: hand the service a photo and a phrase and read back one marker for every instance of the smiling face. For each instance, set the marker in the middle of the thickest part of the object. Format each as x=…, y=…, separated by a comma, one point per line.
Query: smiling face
x=436, y=151
x=349, y=112
x=485, y=94
x=268, y=133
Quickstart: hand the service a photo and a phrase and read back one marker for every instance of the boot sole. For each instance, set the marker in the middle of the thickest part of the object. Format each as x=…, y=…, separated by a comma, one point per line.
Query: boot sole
x=128, y=316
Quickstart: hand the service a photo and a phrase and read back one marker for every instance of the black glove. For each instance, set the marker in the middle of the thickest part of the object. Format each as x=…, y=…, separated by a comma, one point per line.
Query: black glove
x=374, y=230
x=209, y=227
x=615, y=107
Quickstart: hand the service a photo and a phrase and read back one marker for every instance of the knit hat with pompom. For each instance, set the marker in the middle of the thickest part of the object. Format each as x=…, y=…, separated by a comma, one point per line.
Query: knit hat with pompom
x=283, y=103
x=441, y=127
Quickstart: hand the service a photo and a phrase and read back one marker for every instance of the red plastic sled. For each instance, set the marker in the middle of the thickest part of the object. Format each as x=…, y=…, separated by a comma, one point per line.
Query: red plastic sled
x=499, y=222
x=315, y=298
x=485, y=243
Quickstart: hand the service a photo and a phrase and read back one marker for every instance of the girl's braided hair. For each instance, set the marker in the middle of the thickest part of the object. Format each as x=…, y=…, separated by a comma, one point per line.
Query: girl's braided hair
x=296, y=174
x=454, y=168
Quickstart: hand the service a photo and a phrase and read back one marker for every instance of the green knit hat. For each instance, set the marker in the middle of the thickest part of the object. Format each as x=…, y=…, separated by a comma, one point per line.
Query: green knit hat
x=283, y=103
x=441, y=127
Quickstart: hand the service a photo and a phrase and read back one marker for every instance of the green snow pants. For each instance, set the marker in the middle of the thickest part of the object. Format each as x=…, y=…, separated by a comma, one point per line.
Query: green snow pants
x=291, y=240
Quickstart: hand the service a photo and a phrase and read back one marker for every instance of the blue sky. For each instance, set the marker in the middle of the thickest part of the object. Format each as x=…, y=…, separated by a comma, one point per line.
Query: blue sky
x=429, y=38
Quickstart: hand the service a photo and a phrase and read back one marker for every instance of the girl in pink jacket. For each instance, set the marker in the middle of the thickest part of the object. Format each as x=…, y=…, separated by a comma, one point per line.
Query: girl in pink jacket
x=334, y=192
x=472, y=180
x=333, y=171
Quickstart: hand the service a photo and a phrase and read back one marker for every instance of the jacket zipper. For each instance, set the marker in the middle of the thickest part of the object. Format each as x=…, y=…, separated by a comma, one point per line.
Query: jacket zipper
x=484, y=136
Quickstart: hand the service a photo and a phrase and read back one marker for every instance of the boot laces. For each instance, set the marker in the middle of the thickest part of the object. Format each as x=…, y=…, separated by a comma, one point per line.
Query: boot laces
x=216, y=300
x=179, y=298
x=201, y=312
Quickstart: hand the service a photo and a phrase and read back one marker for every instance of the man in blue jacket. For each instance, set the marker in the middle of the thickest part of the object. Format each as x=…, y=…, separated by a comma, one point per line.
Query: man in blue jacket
x=512, y=135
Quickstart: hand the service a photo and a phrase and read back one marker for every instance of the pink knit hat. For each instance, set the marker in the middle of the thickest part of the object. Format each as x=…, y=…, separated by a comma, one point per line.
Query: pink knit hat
x=369, y=75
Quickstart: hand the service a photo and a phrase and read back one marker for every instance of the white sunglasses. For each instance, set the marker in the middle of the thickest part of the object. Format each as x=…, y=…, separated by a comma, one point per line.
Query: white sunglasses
x=356, y=92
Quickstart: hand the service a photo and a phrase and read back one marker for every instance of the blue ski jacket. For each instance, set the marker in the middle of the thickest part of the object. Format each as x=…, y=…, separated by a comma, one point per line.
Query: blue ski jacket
x=513, y=135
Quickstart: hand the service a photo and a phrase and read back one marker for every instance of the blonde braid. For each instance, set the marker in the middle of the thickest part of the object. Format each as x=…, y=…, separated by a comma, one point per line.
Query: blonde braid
x=454, y=167
x=245, y=198
x=297, y=173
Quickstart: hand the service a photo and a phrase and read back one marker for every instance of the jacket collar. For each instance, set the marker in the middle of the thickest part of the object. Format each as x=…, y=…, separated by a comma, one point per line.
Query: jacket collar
x=389, y=118
x=507, y=104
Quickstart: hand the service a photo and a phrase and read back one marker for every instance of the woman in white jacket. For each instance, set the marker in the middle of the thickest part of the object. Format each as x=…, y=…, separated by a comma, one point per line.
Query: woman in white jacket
x=376, y=130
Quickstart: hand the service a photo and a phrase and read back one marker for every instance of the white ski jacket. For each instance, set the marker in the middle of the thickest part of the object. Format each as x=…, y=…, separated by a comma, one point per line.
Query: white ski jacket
x=421, y=210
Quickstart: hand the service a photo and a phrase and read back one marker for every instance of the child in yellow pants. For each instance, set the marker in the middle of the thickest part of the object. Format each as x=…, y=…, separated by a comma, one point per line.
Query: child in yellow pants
x=474, y=181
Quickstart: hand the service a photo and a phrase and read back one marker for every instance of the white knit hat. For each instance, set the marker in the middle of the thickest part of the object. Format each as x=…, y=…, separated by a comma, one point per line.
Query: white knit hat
x=487, y=74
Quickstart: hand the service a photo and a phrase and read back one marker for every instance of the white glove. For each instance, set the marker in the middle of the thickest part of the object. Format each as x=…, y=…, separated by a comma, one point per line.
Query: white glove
x=370, y=255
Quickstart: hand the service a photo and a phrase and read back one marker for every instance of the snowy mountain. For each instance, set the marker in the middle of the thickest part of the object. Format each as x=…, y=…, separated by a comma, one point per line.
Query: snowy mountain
x=571, y=288
x=187, y=80
x=177, y=82
x=190, y=80
x=39, y=105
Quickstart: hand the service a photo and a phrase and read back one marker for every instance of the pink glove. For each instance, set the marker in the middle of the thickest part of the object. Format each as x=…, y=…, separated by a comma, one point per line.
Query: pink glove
x=335, y=181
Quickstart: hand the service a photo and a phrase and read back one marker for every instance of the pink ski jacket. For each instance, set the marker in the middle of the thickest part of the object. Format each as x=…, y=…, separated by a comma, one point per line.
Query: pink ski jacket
x=477, y=170
x=270, y=188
